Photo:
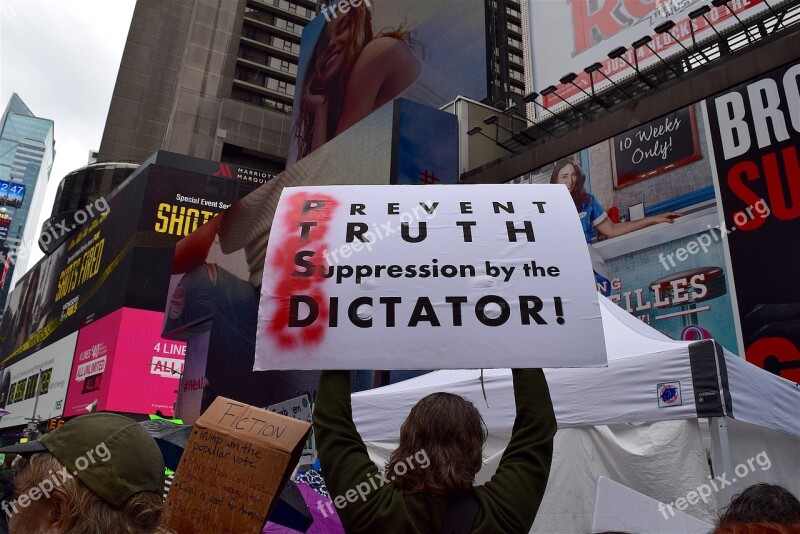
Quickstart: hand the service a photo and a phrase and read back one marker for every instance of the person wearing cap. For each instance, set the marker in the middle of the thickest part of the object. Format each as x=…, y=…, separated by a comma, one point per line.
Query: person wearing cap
x=99, y=473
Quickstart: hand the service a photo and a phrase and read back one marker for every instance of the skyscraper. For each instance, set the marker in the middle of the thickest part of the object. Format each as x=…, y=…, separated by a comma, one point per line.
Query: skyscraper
x=208, y=79
x=506, y=29
x=27, y=150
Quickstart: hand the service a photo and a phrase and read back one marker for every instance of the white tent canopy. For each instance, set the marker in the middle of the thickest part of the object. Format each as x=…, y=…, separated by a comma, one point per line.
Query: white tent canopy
x=710, y=382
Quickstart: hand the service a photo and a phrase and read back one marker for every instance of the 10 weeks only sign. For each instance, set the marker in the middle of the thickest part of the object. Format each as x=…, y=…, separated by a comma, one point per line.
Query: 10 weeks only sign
x=423, y=277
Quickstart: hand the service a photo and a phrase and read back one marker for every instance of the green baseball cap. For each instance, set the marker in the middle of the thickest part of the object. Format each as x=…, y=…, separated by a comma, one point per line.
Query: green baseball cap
x=112, y=455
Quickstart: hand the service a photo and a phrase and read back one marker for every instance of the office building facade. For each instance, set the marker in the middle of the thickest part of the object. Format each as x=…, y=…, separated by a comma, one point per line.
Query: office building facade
x=27, y=150
x=207, y=79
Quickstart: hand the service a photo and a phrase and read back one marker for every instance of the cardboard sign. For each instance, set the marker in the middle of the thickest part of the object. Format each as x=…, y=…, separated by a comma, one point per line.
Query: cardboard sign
x=236, y=462
x=299, y=408
x=416, y=277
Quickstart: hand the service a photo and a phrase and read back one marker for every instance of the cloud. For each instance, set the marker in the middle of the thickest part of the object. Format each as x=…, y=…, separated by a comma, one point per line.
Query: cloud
x=61, y=57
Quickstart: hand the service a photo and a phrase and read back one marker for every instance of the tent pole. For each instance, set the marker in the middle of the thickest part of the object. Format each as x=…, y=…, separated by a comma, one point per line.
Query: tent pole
x=721, y=456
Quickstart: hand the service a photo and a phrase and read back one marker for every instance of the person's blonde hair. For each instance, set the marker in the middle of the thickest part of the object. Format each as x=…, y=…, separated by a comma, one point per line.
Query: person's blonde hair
x=144, y=512
x=360, y=20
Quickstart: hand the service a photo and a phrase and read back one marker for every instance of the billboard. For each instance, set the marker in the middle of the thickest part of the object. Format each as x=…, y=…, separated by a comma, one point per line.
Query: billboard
x=355, y=57
x=568, y=36
x=755, y=134
x=5, y=224
x=727, y=268
x=39, y=380
x=669, y=271
x=122, y=256
x=11, y=193
x=413, y=161
x=690, y=301
x=92, y=364
x=122, y=364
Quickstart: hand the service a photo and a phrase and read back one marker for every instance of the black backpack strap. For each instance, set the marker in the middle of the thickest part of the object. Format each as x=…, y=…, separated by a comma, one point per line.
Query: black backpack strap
x=461, y=514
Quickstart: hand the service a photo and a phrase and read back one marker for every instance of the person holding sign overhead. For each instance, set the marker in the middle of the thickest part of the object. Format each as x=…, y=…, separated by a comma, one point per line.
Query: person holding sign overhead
x=440, y=452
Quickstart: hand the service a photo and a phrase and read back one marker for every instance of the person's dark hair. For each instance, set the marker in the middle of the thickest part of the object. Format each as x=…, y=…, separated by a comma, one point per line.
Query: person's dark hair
x=449, y=431
x=757, y=528
x=767, y=503
x=579, y=195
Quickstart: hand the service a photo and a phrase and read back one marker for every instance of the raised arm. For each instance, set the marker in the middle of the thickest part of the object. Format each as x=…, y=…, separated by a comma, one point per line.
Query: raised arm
x=342, y=453
x=515, y=491
x=611, y=229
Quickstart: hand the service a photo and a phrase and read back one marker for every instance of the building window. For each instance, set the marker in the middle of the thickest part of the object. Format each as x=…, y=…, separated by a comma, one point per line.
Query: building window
x=284, y=66
x=282, y=86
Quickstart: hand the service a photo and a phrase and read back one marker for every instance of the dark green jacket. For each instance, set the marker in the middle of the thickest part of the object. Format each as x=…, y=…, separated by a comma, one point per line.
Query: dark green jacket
x=509, y=501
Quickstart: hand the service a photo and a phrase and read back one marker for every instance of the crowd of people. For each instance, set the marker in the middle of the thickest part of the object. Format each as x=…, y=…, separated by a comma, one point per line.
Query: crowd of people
x=103, y=473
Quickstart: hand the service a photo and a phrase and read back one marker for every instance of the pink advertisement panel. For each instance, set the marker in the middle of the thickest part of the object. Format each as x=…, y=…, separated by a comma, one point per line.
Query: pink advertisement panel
x=122, y=362
x=147, y=368
x=90, y=379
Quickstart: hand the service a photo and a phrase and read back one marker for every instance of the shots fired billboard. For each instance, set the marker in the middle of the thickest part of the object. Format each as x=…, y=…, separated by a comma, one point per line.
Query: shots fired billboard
x=121, y=256
x=355, y=59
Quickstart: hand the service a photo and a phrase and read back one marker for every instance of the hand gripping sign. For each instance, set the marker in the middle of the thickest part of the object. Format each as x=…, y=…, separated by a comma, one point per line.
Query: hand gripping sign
x=420, y=277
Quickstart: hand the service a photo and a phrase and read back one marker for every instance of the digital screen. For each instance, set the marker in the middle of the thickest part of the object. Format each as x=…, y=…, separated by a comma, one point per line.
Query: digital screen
x=11, y=194
x=38, y=383
x=26, y=388
x=427, y=52
x=45, y=384
x=121, y=353
x=5, y=224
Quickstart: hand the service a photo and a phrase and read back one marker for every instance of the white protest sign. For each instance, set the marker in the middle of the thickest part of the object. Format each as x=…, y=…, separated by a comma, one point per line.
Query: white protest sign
x=423, y=277
x=299, y=408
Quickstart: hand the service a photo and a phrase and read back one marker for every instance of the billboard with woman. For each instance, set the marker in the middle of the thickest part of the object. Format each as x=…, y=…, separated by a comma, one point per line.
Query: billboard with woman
x=354, y=60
